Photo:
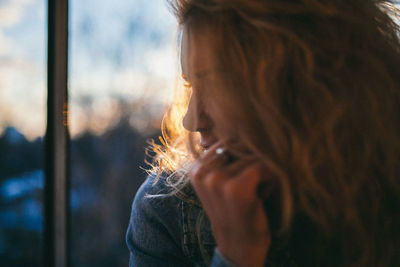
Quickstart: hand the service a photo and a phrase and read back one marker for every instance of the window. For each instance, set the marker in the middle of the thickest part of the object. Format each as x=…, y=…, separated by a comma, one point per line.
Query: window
x=119, y=56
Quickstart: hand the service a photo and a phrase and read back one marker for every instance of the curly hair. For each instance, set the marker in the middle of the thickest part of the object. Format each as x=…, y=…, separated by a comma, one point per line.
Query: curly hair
x=313, y=89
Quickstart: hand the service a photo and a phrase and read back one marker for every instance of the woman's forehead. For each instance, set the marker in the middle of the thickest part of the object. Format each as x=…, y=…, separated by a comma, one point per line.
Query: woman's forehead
x=197, y=59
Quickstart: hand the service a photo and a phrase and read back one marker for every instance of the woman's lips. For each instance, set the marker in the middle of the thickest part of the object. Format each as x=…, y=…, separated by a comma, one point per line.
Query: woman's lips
x=207, y=139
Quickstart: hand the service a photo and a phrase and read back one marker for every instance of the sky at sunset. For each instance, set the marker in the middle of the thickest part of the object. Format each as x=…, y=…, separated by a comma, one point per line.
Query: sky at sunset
x=119, y=51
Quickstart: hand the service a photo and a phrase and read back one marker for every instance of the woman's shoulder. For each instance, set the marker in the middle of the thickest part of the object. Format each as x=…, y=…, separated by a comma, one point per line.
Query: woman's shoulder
x=163, y=226
x=155, y=195
x=155, y=227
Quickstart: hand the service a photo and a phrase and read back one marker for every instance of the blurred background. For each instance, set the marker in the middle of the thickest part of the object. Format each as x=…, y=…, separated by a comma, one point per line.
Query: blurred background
x=122, y=62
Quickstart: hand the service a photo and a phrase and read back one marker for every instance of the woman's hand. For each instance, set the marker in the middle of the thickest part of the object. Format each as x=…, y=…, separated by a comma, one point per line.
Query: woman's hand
x=228, y=194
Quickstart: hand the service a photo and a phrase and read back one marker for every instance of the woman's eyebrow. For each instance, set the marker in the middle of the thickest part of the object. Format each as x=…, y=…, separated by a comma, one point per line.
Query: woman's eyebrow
x=198, y=75
x=202, y=74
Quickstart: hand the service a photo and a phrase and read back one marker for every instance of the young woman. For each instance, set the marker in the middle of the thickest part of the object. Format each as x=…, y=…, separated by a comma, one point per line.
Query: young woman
x=290, y=154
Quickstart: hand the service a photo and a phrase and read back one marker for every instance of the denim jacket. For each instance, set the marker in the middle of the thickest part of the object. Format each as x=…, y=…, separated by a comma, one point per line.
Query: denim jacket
x=165, y=230
x=162, y=230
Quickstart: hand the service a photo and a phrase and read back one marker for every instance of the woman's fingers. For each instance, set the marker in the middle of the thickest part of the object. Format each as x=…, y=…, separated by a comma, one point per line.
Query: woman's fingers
x=242, y=177
x=208, y=160
x=228, y=193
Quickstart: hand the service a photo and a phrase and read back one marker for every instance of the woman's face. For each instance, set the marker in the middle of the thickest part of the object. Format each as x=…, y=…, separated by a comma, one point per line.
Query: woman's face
x=197, y=65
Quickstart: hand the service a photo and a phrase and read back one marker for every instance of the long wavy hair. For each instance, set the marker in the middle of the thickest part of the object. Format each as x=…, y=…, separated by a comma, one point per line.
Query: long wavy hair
x=311, y=88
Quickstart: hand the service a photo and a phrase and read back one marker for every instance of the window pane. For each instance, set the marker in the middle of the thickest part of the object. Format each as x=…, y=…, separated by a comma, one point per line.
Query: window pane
x=122, y=59
x=22, y=127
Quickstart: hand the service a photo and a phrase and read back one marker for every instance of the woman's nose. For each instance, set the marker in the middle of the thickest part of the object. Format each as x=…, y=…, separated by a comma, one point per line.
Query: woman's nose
x=191, y=117
x=196, y=118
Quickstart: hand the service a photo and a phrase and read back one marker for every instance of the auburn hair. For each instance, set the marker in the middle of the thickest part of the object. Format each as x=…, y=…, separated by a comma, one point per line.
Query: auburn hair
x=312, y=89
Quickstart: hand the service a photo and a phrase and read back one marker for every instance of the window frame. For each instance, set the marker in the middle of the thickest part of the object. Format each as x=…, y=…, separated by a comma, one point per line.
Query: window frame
x=57, y=182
